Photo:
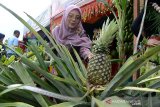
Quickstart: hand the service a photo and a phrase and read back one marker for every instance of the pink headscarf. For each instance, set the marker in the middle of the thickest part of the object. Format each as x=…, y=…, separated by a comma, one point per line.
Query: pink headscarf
x=66, y=37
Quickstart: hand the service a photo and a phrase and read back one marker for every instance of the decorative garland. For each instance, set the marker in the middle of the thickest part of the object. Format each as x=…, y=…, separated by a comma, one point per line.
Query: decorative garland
x=94, y=11
x=156, y=7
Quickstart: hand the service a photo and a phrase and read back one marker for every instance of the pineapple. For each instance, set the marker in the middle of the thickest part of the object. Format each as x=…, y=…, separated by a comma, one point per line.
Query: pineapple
x=99, y=66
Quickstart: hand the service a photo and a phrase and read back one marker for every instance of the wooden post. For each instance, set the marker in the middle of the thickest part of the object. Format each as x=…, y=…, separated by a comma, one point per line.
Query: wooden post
x=141, y=4
x=135, y=14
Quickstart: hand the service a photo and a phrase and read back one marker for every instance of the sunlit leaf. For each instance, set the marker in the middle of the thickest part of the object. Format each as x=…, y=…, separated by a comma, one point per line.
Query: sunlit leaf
x=15, y=104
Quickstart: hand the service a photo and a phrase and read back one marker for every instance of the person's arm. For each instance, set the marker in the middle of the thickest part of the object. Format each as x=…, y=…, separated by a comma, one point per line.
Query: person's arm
x=153, y=41
x=85, y=53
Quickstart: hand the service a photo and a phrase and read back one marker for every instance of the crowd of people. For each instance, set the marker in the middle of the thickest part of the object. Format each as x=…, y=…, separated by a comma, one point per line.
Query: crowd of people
x=2, y=47
x=12, y=43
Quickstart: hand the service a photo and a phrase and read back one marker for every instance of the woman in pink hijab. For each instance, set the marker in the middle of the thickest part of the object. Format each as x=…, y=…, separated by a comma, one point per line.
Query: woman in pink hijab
x=71, y=33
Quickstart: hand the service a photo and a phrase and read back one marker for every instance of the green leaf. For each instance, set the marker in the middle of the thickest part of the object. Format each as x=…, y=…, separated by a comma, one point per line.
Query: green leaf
x=144, y=76
x=39, y=57
x=16, y=104
x=149, y=79
x=124, y=5
x=140, y=89
x=74, y=70
x=41, y=82
x=18, y=49
x=5, y=80
x=9, y=60
x=60, y=86
x=26, y=79
x=11, y=75
x=66, y=104
x=8, y=90
x=41, y=91
x=98, y=102
x=22, y=73
x=81, y=65
x=66, y=80
x=17, y=95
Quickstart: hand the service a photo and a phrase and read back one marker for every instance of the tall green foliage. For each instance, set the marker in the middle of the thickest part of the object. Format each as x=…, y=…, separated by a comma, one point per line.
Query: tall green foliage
x=123, y=12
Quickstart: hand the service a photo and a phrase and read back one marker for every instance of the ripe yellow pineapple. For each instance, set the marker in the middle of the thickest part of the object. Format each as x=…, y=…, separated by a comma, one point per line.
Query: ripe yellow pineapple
x=99, y=66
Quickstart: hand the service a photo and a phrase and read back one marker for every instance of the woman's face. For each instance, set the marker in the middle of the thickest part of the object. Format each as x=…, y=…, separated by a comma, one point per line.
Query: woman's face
x=73, y=18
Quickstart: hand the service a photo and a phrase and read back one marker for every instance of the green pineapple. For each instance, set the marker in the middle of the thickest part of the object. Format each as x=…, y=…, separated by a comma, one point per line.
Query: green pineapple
x=99, y=67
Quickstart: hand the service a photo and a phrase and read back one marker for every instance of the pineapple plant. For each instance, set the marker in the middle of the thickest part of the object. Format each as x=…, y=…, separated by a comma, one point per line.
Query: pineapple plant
x=99, y=67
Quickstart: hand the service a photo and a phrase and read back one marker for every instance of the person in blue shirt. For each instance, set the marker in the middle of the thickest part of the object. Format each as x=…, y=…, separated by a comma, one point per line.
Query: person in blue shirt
x=13, y=43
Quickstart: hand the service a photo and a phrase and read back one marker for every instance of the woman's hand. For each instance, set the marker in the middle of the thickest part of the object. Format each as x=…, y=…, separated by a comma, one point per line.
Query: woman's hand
x=90, y=55
x=153, y=42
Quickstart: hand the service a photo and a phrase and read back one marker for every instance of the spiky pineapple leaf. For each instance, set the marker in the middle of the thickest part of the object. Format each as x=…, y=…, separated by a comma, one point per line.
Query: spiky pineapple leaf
x=109, y=28
x=149, y=79
x=97, y=102
x=26, y=79
x=81, y=64
x=140, y=89
x=66, y=104
x=38, y=56
x=144, y=76
x=15, y=104
x=40, y=91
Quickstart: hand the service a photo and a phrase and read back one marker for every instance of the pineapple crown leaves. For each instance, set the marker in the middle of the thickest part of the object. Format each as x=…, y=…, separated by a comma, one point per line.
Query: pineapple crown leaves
x=109, y=28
